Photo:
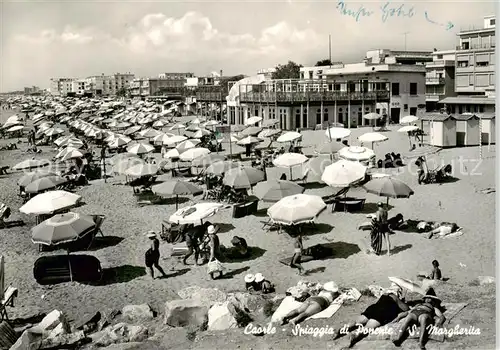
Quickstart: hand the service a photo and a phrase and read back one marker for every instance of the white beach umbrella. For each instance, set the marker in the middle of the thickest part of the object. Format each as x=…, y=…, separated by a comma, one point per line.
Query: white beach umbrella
x=149, y=133
x=31, y=163
x=249, y=140
x=53, y=131
x=174, y=139
x=408, y=128
x=142, y=169
x=200, y=133
x=289, y=136
x=408, y=119
x=372, y=116
x=356, y=153
x=124, y=163
x=193, y=153
x=195, y=214
x=140, y=148
x=187, y=144
x=177, y=127
x=343, y=173
x=253, y=120
x=296, y=209
x=172, y=153
x=50, y=202
x=337, y=133
x=288, y=160
x=72, y=154
x=211, y=123
x=119, y=141
x=159, y=124
x=269, y=133
x=372, y=137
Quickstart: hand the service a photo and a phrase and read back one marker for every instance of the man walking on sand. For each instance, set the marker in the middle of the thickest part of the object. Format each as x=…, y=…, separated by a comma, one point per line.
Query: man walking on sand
x=152, y=255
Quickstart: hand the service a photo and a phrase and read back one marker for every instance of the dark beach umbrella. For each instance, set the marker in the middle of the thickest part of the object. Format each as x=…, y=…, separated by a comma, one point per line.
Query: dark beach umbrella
x=25, y=180
x=245, y=177
x=275, y=190
x=251, y=131
x=176, y=188
x=45, y=183
x=388, y=187
x=62, y=228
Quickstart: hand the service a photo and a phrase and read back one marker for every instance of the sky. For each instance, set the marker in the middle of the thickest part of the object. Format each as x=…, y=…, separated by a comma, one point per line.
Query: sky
x=66, y=38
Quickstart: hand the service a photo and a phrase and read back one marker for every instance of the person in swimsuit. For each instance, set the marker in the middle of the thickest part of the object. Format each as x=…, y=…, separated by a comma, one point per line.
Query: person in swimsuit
x=152, y=255
x=313, y=305
x=422, y=315
x=388, y=307
x=298, y=247
x=383, y=228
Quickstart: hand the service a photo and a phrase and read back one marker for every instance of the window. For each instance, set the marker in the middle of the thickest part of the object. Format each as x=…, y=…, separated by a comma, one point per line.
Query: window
x=395, y=89
x=359, y=109
x=367, y=109
x=492, y=22
x=310, y=75
x=481, y=109
x=413, y=89
x=405, y=107
x=439, y=57
x=340, y=109
x=336, y=87
x=325, y=115
x=482, y=64
x=465, y=45
x=318, y=116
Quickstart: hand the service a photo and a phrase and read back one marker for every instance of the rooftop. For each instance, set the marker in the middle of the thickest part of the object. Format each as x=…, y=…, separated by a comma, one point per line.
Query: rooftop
x=469, y=100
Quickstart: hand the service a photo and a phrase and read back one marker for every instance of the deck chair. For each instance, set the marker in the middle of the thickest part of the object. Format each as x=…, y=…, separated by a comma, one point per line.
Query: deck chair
x=330, y=199
x=270, y=225
x=4, y=214
x=3, y=170
x=98, y=219
x=8, y=300
x=303, y=179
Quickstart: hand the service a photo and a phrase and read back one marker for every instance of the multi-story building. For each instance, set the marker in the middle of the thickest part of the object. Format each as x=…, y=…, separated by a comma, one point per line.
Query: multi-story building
x=143, y=87
x=193, y=83
x=32, y=90
x=61, y=86
x=474, y=71
x=78, y=86
x=439, y=78
x=176, y=76
x=400, y=72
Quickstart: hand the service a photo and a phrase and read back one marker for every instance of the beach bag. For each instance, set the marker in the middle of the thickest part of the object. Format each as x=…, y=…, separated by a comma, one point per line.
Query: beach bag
x=215, y=266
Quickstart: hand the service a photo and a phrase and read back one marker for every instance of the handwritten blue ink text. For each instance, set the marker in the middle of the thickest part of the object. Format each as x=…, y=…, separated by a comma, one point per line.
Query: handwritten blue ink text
x=388, y=11
x=361, y=12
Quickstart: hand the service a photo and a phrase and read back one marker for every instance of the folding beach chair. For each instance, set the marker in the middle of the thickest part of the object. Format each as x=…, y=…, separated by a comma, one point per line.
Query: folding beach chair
x=98, y=220
x=8, y=300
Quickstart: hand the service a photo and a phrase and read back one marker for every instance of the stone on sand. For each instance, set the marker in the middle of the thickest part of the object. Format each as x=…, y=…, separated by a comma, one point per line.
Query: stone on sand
x=208, y=296
x=186, y=312
x=138, y=312
x=51, y=321
x=120, y=333
x=220, y=317
x=486, y=280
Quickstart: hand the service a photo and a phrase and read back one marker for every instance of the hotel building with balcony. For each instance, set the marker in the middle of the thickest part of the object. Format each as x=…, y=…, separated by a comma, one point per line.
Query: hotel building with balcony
x=474, y=71
x=439, y=79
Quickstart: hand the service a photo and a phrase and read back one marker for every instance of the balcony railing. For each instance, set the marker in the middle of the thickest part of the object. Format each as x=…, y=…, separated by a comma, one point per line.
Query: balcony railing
x=475, y=47
x=312, y=96
x=434, y=80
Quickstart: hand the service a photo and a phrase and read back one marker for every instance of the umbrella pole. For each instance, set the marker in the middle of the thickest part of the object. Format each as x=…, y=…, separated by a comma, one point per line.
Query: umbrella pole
x=70, y=271
x=176, y=201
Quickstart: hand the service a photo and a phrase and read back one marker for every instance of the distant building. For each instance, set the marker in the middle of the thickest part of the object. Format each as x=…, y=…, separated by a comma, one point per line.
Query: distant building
x=474, y=71
x=32, y=90
x=78, y=87
x=61, y=86
x=439, y=79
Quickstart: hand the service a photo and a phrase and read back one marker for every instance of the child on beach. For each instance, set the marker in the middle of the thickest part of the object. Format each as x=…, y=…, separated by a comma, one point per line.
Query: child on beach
x=435, y=273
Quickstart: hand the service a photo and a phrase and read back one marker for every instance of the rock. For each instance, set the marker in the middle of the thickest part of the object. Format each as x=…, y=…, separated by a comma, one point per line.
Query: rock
x=220, y=317
x=208, y=296
x=246, y=301
x=63, y=341
x=26, y=340
x=186, y=312
x=125, y=346
x=120, y=333
x=58, y=331
x=173, y=338
x=108, y=319
x=138, y=312
x=51, y=321
x=486, y=280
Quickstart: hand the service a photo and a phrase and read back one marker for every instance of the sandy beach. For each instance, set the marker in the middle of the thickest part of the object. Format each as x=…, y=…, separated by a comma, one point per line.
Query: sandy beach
x=462, y=259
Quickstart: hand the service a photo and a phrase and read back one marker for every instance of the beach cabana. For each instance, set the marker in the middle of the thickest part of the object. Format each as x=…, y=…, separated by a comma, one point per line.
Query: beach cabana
x=442, y=130
x=488, y=134
x=467, y=129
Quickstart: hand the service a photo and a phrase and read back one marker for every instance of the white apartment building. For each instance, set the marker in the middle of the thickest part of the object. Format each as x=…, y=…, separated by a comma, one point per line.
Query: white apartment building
x=78, y=86
x=439, y=78
x=401, y=72
x=61, y=86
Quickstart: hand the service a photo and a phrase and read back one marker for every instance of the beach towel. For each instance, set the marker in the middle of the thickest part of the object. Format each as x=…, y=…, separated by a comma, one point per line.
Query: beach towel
x=289, y=303
x=452, y=309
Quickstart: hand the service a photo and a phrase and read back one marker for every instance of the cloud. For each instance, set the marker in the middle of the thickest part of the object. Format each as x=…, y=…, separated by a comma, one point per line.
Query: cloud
x=50, y=36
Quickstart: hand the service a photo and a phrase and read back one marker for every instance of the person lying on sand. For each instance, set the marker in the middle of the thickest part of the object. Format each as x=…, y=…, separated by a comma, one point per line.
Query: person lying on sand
x=313, y=305
x=423, y=315
x=387, y=308
x=441, y=229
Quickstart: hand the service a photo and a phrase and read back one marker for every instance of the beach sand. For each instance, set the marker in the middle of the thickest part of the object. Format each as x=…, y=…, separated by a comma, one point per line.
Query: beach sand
x=462, y=259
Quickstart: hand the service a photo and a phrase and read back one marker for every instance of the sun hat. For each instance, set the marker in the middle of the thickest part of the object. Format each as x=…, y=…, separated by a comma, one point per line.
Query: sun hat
x=380, y=204
x=431, y=294
x=151, y=234
x=259, y=277
x=331, y=287
x=249, y=278
x=211, y=229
